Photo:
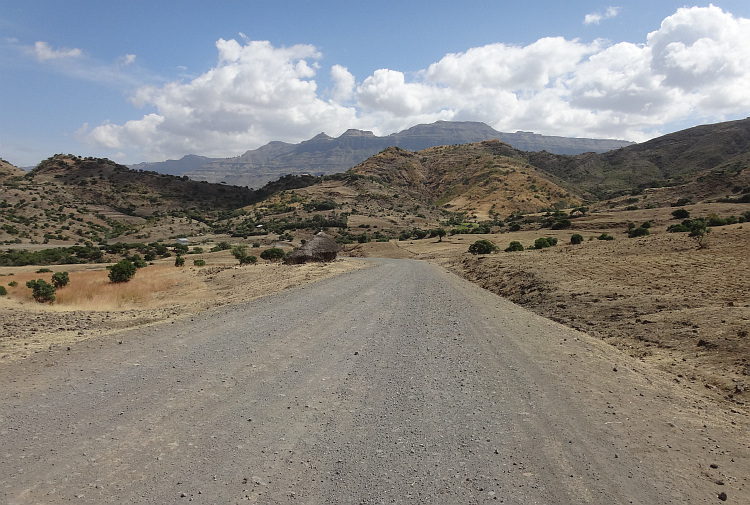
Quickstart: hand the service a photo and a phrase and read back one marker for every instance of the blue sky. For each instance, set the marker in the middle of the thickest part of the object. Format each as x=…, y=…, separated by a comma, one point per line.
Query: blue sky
x=152, y=80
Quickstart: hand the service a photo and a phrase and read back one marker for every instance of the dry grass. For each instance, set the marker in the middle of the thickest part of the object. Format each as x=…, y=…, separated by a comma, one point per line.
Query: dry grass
x=92, y=290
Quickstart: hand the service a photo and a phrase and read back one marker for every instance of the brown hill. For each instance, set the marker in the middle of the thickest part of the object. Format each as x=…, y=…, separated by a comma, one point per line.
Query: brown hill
x=104, y=182
x=668, y=160
x=483, y=179
x=7, y=170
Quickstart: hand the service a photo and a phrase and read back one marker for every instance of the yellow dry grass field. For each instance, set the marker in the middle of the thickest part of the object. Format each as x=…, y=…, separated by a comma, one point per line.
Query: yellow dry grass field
x=90, y=306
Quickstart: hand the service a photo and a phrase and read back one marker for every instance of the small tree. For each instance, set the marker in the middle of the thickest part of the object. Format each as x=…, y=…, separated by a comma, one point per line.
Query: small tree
x=273, y=254
x=239, y=252
x=60, y=279
x=440, y=232
x=576, y=238
x=482, y=247
x=122, y=271
x=3, y=291
x=41, y=290
x=179, y=261
x=698, y=230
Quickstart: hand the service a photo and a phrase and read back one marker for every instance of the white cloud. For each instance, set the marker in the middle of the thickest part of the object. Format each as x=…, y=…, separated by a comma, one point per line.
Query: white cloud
x=126, y=60
x=43, y=52
x=596, y=17
x=693, y=66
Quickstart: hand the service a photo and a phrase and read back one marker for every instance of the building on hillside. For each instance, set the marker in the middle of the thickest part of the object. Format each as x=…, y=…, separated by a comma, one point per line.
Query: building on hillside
x=182, y=241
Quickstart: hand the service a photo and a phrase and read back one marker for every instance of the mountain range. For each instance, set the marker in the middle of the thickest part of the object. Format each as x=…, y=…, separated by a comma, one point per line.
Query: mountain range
x=323, y=155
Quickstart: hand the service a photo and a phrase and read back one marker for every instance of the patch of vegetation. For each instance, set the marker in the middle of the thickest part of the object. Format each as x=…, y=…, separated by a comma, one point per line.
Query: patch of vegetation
x=483, y=247
x=576, y=239
x=544, y=242
x=605, y=236
x=60, y=279
x=514, y=246
x=41, y=290
x=122, y=271
x=273, y=254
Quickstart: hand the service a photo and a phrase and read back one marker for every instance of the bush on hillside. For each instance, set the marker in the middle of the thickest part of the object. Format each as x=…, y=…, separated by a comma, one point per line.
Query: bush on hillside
x=41, y=290
x=273, y=254
x=482, y=247
x=514, y=246
x=122, y=271
x=680, y=214
x=60, y=279
x=576, y=238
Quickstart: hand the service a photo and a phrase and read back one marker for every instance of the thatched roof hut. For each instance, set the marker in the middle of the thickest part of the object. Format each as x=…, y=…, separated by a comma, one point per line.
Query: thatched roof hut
x=320, y=248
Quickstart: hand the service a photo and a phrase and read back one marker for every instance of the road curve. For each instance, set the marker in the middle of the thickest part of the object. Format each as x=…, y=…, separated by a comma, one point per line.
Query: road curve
x=399, y=383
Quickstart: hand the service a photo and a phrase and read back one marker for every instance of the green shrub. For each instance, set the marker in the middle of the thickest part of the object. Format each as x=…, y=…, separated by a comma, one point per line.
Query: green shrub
x=482, y=247
x=41, y=291
x=3, y=291
x=138, y=261
x=561, y=224
x=514, y=226
x=604, y=236
x=249, y=260
x=638, y=232
x=273, y=254
x=543, y=242
x=680, y=214
x=13, y=284
x=43, y=271
x=677, y=228
x=199, y=263
x=221, y=246
x=60, y=279
x=122, y=271
x=514, y=246
x=179, y=261
x=576, y=238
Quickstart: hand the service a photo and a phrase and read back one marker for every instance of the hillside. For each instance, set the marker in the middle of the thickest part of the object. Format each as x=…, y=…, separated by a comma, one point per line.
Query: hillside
x=7, y=170
x=672, y=159
x=328, y=155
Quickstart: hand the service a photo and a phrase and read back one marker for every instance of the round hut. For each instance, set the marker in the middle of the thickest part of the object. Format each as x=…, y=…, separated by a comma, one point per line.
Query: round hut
x=321, y=248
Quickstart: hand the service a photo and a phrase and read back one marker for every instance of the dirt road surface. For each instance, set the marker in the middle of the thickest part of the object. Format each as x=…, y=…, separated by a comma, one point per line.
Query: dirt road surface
x=399, y=383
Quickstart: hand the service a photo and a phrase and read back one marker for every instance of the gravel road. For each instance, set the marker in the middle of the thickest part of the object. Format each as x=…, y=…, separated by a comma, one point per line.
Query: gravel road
x=399, y=383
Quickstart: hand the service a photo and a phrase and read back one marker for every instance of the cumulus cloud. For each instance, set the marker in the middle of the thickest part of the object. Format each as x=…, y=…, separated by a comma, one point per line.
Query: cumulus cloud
x=693, y=65
x=256, y=93
x=43, y=52
x=596, y=17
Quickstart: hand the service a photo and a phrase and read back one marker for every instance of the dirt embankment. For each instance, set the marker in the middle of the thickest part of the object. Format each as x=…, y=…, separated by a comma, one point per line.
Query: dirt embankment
x=658, y=298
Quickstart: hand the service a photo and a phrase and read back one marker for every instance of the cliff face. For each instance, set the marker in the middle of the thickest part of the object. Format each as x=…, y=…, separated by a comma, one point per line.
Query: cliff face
x=323, y=154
